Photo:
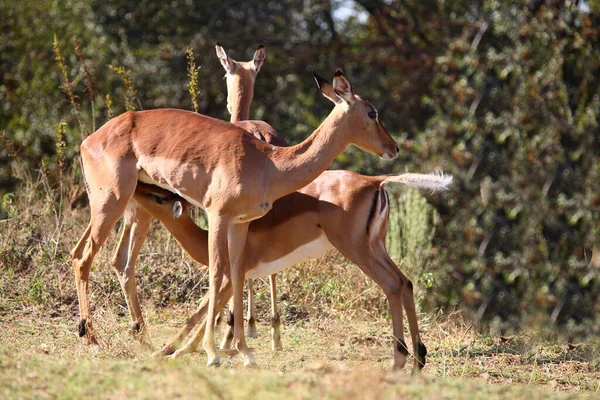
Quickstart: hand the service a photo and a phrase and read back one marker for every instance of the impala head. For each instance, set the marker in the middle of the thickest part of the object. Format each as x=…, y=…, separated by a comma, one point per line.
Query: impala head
x=366, y=130
x=240, y=81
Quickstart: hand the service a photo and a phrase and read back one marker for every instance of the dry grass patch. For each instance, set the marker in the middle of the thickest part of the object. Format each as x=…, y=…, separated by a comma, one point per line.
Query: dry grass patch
x=326, y=358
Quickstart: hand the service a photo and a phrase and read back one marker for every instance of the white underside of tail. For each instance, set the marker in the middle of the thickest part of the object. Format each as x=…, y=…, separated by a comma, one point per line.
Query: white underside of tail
x=434, y=182
x=310, y=250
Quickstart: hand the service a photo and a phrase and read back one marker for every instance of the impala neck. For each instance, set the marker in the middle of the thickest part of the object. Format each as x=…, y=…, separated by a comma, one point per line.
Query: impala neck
x=240, y=94
x=297, y=166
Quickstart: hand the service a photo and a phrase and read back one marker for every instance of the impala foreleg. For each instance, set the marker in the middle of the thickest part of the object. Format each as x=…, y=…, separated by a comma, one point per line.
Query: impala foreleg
x=219, y=263
x=228, y=331
x=275, y=320
x=135, y=229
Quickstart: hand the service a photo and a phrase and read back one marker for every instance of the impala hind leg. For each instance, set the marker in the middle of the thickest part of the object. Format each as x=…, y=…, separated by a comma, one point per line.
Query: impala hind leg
x=408, y=301
x=81, y=282
x=135, y=229
x=174, y=343
x=109, y=192
x=387, y=275
x=275, y=320
x=193, y=343
x=391, y=282
x=413, y=324
x=83, y=256
x=228, y=329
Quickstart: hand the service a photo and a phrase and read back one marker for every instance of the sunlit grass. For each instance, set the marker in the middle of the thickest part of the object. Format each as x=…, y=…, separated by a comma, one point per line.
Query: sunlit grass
x=331, y=358
x=336, y=329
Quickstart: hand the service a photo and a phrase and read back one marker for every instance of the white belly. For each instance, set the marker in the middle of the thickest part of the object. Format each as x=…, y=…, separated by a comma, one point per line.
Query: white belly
x=310, y=250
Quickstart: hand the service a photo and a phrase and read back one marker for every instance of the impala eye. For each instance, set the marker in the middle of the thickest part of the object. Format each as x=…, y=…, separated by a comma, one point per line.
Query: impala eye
x=372, y=114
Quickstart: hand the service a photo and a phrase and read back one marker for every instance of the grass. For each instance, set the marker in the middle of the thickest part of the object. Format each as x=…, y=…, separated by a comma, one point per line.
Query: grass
x=336, y=329
x=326, y=358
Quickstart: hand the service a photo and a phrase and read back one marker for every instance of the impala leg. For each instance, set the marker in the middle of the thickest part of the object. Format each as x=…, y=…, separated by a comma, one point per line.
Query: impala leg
x=252, y=332
x=228, y=330
x=390, y=280
x=387, y=275
x=218, y=254
x=190, y=237
x=174, y=343
x=109, y=187
x=420, y=351
x=102, y=221
x=135, y=229
x=237, y=243
x=393, y=289
x=411, y=314
x=193, y=343
x=81, y=281
x=275, y=320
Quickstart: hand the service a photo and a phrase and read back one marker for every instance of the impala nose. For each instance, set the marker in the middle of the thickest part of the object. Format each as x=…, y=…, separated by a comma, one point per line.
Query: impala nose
x=391, y=152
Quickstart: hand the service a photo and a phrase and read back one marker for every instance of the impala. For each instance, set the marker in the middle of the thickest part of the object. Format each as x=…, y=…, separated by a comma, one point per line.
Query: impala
x=341, y=210
x=240, y=84
x=336, y=204
x=217, y=166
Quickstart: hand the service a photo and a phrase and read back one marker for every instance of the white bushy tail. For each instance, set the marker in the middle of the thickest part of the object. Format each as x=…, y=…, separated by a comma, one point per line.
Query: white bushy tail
x=435, y=182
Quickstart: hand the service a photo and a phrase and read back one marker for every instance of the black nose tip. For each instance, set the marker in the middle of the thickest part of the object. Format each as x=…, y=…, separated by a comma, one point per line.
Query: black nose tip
x=397, y=149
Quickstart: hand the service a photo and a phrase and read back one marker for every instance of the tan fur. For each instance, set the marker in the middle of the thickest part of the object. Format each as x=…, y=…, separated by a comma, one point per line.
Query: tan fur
x=216, y=165
x=337, y=203
x=337, y=200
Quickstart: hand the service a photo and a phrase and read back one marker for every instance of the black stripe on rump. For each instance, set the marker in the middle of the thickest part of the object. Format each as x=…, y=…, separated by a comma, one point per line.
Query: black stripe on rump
x=372, y=211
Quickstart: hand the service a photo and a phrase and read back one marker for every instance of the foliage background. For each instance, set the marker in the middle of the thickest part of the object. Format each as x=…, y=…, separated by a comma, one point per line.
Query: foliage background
x=502, y=95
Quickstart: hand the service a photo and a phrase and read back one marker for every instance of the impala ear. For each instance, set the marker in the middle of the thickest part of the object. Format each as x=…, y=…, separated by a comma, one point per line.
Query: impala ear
x=226, y=62
x=177, y=209
x=259, y=57
x=342, y=87
x=326, y=88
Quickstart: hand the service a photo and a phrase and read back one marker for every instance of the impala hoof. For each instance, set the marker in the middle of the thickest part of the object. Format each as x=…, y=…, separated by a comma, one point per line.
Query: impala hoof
x=81, y=328
x=421, y=358
x=136, y=327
